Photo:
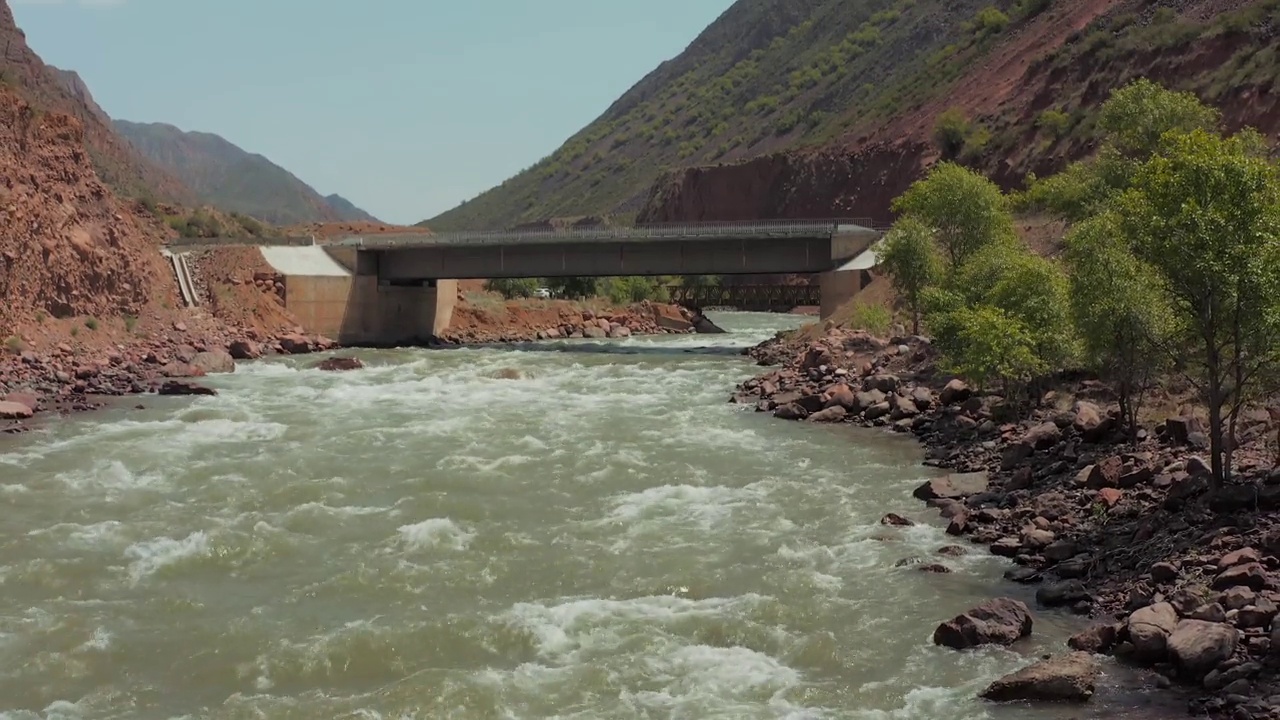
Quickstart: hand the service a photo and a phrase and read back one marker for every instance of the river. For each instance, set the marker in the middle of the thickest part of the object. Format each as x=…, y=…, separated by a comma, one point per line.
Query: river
x=564, y=530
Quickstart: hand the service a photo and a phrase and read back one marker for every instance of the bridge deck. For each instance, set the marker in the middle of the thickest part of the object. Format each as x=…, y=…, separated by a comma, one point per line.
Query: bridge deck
x=755, y=230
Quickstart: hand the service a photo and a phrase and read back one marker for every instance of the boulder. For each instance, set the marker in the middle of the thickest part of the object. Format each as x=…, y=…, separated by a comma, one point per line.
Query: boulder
x=841, y=395
x=339, y=364
x=1066, y=592
x=829, y=415
x=295, y=344
x=887, y=384
x=1002, y=621
x=10, y=410
x=956, y=391
x=1065, y=678
x=791, y=411
x=1095, y=639
x=1149, y=631
x=1090, y=422
x=214, y=362
x=244, y=350
x=895, y=520
x=1249, y=575
x=1197, y=647
x=1042, y=436
x=878, y=410
x=595, y=332
x=953, y=487
x=1239, y=557
x=867, y=399
x=1258, y=615
x=618, y=332
x=175, y=387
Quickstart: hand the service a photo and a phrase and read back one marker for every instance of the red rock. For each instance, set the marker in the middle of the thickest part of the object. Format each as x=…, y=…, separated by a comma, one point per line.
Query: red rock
x=244, y=350
x=29, y=399
x=1239, y=557
x=1002, y=621
x=1110, y=496
x=1249, y=575
x=15, y=411
x=295, y=344
x=896, y=520
x=1067, y=678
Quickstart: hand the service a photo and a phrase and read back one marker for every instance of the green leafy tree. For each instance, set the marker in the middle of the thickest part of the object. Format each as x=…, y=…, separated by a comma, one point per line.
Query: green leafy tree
x=1132, y=121
x=1136, y=117
x=1029, y=288
x=984, y=344
x=966, y=210
x=512, y=288
x=1119, y=308
x=910, y=257
x=574, y=288
x=1205, y=214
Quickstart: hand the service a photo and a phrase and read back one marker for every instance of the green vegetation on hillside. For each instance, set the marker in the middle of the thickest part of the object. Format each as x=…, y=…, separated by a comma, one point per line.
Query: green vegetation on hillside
x=767, y=74
x=1172, y=264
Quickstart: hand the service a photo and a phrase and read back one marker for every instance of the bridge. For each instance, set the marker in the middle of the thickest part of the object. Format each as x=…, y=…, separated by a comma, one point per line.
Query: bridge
x=758, y=247
x=401, y=288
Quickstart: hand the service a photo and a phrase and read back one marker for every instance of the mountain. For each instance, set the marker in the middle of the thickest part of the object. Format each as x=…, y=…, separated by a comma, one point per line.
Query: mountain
x=47, y=89
x=347, y=210
x=229, y=178
x=791, y=108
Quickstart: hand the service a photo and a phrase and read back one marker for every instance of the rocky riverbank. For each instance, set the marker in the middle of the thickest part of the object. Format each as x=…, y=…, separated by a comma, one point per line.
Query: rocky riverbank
x=1179, y=577
x=527, y=321
x=74, y=378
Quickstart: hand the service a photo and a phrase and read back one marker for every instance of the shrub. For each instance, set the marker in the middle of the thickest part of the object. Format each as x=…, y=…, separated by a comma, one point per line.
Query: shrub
x=950, y=131
x=1054, y=122
x=91, y=323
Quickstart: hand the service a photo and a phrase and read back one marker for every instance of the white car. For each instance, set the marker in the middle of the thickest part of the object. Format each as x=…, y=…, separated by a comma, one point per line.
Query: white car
x=543, y=293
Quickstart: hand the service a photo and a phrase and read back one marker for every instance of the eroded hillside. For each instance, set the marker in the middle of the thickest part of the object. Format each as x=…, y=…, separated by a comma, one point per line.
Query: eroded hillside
x=832, y=108
x=48, y=89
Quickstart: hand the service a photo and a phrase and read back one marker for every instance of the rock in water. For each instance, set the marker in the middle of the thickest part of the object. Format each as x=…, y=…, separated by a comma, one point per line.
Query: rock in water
x=174, y=387
x=702, y=325
x=1065, y=678
x=339, y=364
x=14, y=411
x=214, y=362
x=1002, y=621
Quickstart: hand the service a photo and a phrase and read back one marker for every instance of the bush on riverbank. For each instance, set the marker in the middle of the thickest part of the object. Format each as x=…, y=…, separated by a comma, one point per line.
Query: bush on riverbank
x=1173, y=261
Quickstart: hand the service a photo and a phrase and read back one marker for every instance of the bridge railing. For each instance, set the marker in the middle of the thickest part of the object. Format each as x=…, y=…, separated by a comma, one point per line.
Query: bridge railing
x=752, y=229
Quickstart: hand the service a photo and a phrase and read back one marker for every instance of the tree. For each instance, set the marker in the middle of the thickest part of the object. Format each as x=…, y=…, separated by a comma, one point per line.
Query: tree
x=982, y=344
x=911, y=259
x=574, y=288
x=1120, y=312
x=1205, y=214
x=1029, y=289
x=1138, y=115
x=1132, y=121
x=512, y=288
x=966, y=210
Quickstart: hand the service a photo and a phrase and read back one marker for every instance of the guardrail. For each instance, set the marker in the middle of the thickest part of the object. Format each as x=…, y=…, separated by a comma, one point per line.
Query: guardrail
x=754, y=229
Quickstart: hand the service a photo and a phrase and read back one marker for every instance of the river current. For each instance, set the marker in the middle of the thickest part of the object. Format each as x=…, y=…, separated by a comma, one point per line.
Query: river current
x=568, y=530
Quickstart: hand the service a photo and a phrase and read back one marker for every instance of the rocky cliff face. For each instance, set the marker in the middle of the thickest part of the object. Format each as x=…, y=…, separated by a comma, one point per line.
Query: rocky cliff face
x=51, y=90
x=789, y=185
x=69, y=248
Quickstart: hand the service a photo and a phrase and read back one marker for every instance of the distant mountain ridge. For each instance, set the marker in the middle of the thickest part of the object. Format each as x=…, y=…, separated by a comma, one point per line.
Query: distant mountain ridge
x=224, y=175
x=348, y=209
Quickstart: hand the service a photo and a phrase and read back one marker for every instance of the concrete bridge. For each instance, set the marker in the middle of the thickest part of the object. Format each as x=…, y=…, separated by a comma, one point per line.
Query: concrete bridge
x=400, y=288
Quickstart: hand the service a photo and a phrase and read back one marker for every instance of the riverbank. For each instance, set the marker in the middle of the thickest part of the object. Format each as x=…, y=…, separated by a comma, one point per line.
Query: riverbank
x=1178, y=578
x=486, y=318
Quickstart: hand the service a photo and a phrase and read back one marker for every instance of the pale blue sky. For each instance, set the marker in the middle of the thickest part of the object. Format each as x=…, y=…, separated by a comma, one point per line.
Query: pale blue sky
x=405, y=107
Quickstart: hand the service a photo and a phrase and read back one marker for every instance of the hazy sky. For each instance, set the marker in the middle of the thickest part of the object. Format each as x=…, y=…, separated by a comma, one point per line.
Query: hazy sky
x=405, y=107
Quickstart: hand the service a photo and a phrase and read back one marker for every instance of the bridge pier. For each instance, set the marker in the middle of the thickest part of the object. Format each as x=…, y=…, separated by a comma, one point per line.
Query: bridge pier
x=357, y=308
x=838, y=287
